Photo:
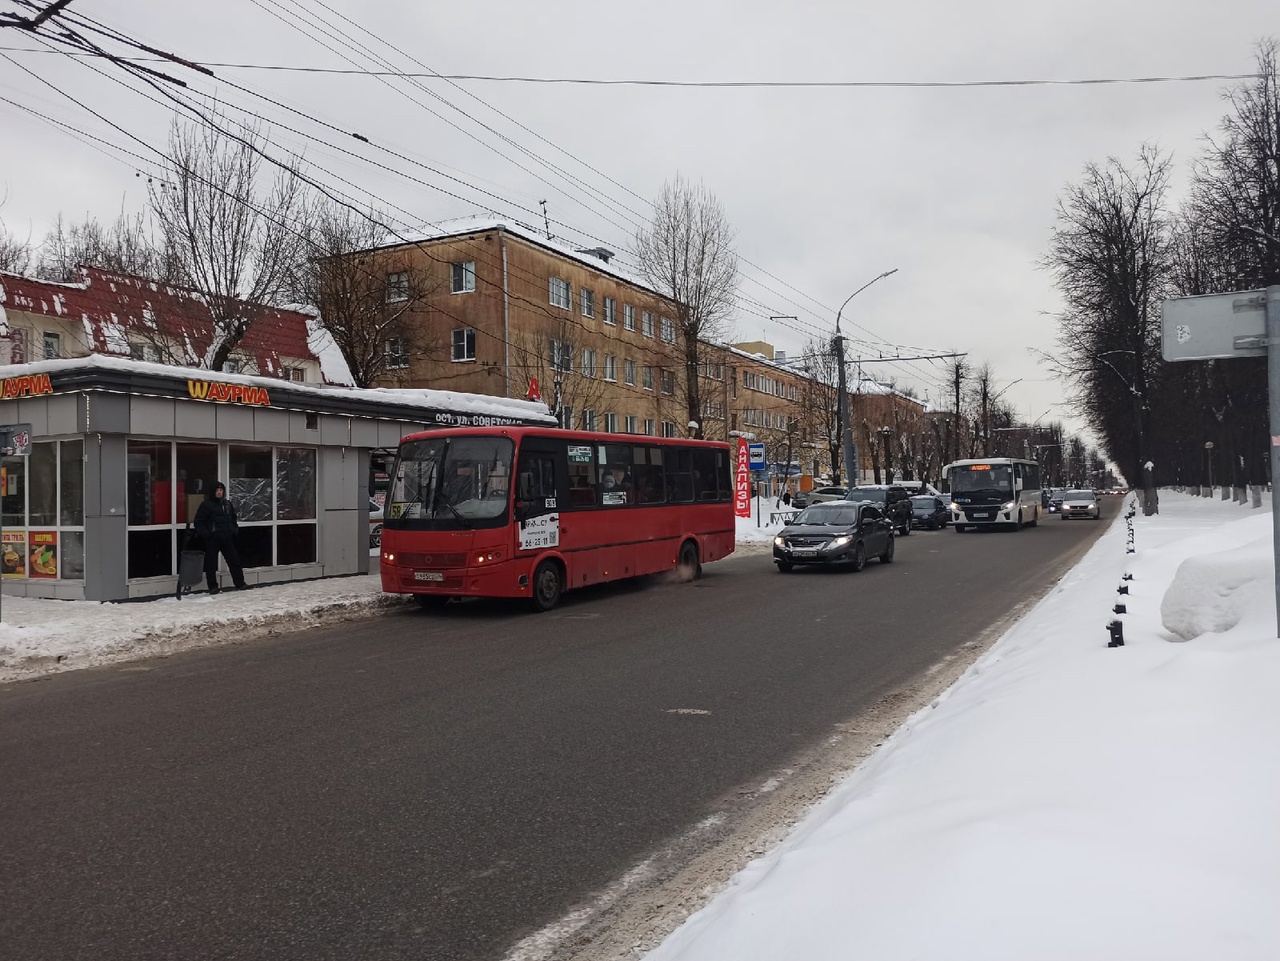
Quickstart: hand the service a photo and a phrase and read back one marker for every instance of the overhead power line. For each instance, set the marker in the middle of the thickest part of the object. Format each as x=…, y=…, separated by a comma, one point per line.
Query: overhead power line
x=751, y=84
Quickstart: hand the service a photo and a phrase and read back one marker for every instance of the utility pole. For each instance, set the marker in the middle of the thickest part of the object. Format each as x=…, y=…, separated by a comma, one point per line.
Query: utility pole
x=848, y=446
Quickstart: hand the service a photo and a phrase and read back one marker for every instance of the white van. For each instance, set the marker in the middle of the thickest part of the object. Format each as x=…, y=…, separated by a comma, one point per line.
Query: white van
x=915, y=487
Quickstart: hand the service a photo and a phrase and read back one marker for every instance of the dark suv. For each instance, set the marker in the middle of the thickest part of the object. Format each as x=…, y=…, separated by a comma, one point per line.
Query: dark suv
x=895, y=501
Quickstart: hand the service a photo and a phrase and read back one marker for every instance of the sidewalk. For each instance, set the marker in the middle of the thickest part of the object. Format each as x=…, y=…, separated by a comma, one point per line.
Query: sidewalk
x=1063, y=800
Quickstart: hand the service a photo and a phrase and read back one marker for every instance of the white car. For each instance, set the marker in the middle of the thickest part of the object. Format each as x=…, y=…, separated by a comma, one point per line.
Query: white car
x=1079, y=504
x=375, y=525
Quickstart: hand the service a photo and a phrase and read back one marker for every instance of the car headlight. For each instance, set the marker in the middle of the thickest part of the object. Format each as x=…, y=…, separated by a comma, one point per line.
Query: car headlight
x=779, y=542
x=1007, y=506
x=841, y=540
x=955, y=507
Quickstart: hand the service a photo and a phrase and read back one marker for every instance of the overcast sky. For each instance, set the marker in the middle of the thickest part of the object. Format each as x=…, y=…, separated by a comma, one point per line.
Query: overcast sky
x=827, y=187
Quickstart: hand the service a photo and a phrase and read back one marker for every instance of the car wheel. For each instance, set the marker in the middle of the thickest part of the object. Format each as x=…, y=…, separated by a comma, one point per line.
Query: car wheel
x=905, y=530
x=959, y=528
x=858, y=559
x=887, y=556
x=548, y=585
x=784, y=567
x=375, y=538
x=689, y=565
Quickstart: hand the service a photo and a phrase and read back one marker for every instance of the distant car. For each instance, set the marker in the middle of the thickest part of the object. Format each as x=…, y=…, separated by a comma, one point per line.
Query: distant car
x=929, y=512
x=820, y=495
x=1055, y=502
x=835, y=532
x=1079, y=503
x=893, y=500
x=375, y=525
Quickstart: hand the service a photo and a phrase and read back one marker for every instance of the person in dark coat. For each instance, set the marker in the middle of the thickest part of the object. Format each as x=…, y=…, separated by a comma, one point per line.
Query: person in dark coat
x=216, y=524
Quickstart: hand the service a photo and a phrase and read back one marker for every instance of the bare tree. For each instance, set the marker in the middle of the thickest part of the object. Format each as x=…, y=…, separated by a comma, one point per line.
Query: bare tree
x=125, y=246
x=957, y=378
x=369, y=300
x=1111, y=254
x=235, y=237
x=550, y=353
x=687, y=256
x=821, y=394
x=15, y=254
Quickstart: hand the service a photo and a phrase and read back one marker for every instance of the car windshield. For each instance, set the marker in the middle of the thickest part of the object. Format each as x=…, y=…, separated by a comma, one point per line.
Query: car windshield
x=826, y=515
x=875, y=496
x=981, y=479
x=1079, y=495
x=925, y=503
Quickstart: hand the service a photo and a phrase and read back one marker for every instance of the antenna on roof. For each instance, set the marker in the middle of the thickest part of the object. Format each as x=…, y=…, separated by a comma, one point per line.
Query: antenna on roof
x=545, y=219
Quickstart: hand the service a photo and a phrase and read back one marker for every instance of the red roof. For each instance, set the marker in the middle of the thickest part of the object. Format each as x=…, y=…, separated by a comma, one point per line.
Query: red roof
x=118, y=308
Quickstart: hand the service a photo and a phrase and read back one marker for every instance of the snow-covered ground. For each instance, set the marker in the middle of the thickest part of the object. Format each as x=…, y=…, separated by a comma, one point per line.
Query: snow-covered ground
x=1063, y=800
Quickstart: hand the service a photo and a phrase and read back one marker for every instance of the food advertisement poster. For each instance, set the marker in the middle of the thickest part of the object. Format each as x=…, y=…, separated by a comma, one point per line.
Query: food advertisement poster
x=44, y=554
x=13, y=553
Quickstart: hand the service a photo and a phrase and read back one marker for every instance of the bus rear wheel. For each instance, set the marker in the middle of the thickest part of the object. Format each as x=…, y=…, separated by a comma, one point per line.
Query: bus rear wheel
x=689, y=566
x=548, y=585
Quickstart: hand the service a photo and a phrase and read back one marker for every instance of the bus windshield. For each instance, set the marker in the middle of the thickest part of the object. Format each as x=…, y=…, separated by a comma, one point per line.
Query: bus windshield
x=451, y=483
x=982, y=479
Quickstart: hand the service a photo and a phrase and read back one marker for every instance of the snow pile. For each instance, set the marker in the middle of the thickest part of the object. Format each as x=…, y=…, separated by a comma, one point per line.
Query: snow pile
x=1063, y=800
x=40, y=636
x=1213, y=594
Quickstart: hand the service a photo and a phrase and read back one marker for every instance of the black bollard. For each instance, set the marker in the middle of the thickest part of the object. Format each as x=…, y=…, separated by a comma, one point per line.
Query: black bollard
x=1122, y=589
x=1120, y=609
x=1116, y=630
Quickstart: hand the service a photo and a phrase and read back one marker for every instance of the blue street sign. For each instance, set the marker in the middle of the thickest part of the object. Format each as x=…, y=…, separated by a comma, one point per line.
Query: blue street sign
x=756, y=453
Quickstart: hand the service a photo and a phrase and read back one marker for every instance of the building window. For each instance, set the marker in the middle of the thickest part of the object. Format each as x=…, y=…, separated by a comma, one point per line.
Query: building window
x=632, y=424
x=560, y=296
x=147, y=352
x=52, y=346
x=464, y=344
x=648, y=426
x=232, y=366
x=610, y=312
x=398, y=286
x=611, y=423
x=561, y=355
x=610, y=367
x=295, y=374
x=668, y=330
x=668, y=428
x=714, y=371
x=628, y=317
x=397, y=354
x=648, y=378
x=588, y=299
x=629, y=373
x=588, y=419
x=566, y=418
x=464, y=277
x=646, y=324
x=588, y=363
x=668, y=382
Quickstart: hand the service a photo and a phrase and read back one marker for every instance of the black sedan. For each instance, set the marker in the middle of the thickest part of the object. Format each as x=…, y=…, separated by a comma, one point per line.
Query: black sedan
x=837, y=532
x=928, y=512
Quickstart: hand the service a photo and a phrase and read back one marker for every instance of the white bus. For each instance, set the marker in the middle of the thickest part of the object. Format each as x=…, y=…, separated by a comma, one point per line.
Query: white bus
x=994, y=491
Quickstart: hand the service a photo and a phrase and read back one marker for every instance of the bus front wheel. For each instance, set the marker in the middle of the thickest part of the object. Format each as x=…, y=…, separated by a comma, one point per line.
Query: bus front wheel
x=958, y=528
x=548, y=585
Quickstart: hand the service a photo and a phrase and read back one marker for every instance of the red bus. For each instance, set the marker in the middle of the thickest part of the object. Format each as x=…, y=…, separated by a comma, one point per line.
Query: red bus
x=585, y=508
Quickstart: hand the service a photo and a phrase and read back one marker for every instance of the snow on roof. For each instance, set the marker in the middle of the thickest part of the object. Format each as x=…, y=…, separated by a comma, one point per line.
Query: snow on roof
x=463, y=226
x=113, y=305
x=423, y=399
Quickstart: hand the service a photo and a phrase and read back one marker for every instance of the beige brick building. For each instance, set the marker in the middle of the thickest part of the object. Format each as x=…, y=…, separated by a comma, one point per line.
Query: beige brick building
x=508, y=308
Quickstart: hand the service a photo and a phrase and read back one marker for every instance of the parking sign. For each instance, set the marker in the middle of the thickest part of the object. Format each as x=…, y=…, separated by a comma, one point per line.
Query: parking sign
x=757, y=456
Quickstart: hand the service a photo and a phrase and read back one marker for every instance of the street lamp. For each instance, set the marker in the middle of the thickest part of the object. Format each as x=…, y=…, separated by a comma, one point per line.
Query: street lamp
x=844, y=425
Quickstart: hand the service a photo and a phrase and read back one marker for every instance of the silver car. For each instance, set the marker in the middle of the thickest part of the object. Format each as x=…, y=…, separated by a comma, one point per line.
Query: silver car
x=1080, y=504
x=820, y=495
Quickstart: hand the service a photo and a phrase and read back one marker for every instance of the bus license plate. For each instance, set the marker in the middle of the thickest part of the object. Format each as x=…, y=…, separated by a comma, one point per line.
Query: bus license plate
x=981, y=517
x=427, y=576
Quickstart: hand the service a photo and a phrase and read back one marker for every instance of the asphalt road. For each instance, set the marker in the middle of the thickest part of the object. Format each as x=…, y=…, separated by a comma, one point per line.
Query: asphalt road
x=439, y=785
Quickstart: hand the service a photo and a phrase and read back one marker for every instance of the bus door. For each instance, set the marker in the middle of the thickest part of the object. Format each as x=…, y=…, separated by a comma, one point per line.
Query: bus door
x=540, y=495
